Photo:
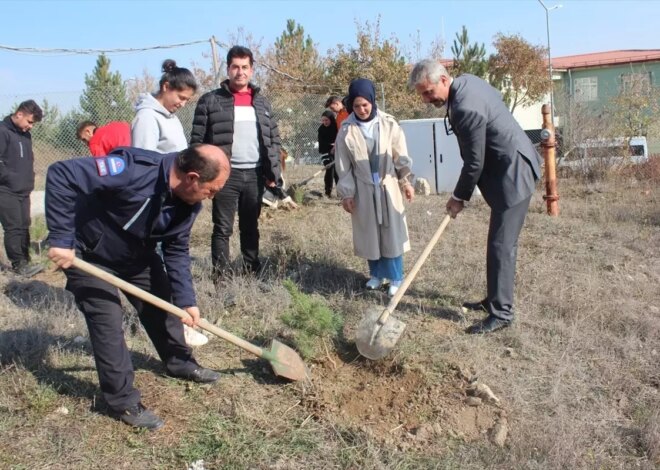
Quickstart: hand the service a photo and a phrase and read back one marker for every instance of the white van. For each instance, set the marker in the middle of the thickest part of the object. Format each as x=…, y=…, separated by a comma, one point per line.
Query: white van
x=639, y=150
x=609, y=152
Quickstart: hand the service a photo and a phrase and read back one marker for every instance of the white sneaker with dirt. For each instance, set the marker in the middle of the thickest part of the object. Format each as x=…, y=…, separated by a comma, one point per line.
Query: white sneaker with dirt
x=374, y=283
x=194, y=338
x=393, y=289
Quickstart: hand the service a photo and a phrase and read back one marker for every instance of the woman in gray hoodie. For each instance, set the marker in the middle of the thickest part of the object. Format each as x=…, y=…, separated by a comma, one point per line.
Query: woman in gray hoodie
x=155, y=126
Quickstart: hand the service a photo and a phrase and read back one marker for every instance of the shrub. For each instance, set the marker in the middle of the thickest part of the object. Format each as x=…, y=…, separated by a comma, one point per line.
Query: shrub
x=311, y=319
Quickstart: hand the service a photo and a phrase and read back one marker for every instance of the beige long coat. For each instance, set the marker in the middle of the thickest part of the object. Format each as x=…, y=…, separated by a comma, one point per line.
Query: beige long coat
x=379, y=223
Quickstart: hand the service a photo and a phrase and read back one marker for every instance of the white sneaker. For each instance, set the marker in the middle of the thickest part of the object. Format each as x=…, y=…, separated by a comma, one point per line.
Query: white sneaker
x=194, y=338
x=374, y=283
x=394, y=287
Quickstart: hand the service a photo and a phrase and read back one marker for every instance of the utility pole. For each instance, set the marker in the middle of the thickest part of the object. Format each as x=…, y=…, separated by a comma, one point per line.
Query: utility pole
x=547, y=28
x=382, y=92
x=216, y=67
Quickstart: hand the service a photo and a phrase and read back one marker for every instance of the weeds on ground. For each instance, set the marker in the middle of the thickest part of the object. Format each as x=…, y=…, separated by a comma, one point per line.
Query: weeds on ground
x=237, y=443
x=312, y=320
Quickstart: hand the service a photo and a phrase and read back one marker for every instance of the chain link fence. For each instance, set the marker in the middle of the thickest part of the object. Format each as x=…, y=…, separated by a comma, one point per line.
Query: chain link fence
x=298, y=114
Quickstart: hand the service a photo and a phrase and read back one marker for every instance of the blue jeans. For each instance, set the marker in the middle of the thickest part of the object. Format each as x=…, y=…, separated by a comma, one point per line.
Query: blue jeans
x=387, y=268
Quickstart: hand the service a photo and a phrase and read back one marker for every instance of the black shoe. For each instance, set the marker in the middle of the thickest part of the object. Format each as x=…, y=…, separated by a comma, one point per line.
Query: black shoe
x=488, y=325
x=200, y=375
x=476, y=306
x=139, y=417
x=28, y=270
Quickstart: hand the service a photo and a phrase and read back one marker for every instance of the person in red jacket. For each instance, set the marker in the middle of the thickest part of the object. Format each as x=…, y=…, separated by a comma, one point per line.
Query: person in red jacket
x=102, y=140
x=336, y=104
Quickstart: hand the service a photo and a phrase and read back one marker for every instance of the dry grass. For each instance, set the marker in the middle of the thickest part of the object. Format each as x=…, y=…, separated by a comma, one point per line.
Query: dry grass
x=577, y=375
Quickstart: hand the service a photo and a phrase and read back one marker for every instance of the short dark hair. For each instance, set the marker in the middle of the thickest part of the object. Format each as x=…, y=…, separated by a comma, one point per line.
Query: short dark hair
x=31, y=107
x=239, y=52
x=191, y=160
x=82, y=126
x=179, y=78
x=331, y=100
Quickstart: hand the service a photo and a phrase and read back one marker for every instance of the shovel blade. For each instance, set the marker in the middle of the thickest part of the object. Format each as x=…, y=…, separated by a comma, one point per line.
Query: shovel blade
x=374, y=341
x=286, y=362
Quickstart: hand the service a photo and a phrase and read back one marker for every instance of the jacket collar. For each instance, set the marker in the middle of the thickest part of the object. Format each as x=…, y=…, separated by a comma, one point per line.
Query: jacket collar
x=225, y=87
x=12, y=127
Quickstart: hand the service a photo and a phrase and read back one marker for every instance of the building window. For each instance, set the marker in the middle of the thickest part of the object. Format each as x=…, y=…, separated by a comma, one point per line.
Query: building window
x=635, y=82
x=586, y=89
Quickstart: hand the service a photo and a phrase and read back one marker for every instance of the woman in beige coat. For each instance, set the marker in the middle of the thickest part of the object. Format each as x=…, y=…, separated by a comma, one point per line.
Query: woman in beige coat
x=374, y=170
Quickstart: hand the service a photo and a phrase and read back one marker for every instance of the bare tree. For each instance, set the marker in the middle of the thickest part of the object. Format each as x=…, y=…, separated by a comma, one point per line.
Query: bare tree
x=519, y=70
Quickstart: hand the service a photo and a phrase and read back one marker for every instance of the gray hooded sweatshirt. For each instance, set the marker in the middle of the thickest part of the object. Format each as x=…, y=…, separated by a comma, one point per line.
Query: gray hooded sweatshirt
x=155, y=128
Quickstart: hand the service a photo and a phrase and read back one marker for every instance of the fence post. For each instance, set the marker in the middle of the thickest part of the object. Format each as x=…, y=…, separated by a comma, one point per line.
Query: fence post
x=548, y=144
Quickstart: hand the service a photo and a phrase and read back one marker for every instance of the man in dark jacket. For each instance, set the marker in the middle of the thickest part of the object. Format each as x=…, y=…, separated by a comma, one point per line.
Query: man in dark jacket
x=238, y=119
x=16, y=184
x=112, y=211
x=499, y=158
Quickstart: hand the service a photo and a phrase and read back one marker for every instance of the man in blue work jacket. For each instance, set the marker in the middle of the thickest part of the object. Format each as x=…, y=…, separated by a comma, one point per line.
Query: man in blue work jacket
x=112, y=212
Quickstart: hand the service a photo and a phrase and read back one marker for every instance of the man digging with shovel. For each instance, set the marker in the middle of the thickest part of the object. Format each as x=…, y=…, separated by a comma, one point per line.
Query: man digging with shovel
x=499, y=159
x=111, y=212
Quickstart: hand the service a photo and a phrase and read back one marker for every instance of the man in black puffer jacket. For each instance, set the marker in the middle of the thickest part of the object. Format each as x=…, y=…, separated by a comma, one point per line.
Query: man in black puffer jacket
x=16, y=184
x=238, y=119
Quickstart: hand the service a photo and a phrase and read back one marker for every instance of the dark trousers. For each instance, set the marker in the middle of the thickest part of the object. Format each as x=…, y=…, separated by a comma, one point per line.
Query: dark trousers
x=100, y=303
x=330, y=176
x=242, y=193
x=15, y=220
x=502, y=251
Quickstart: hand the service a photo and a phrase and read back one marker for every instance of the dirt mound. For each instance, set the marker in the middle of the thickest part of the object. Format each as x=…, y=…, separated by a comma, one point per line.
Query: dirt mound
x=395, y=402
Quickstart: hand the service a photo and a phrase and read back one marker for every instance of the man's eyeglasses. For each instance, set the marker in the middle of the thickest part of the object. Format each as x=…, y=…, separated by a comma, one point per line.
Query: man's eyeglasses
x=448, y=129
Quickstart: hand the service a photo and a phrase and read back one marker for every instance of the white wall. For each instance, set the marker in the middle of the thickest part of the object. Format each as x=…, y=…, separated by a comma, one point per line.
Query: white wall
x=530, y=117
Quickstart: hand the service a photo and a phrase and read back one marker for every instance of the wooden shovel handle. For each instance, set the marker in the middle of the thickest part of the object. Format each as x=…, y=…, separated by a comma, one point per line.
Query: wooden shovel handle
x=160, y=303
x=413, y=272
x=307, y=180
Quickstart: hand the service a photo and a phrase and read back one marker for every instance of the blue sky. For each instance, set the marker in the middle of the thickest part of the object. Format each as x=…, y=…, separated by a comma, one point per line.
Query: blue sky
x=580, y=26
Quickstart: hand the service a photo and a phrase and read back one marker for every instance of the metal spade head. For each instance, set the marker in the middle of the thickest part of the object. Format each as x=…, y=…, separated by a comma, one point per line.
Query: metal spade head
x=375, y=341
x=286, y=362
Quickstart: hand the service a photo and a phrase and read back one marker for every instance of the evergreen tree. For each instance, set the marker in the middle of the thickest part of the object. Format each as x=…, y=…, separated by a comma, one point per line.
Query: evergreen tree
x=468, y=58
x=295, y=55
x=294, y=71
x=46, y=131
x=104, y=98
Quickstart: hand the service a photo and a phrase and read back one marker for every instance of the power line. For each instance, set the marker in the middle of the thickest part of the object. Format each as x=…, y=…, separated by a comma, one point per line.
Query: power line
x=66, y=51
x=35, y=50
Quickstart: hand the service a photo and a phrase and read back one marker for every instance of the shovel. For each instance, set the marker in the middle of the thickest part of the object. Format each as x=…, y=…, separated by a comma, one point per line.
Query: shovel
x=284, y=360
x=294, y=186
x=378, y=333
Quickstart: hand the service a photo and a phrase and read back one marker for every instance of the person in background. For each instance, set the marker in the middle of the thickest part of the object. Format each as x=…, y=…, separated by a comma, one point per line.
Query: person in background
x=156, y=127
x=374, y=176
x=16, y=184
x=327, y=134
x=336, y=104
x=499, y=158
x=95, y=210
x=238, y=118
x=103, y=140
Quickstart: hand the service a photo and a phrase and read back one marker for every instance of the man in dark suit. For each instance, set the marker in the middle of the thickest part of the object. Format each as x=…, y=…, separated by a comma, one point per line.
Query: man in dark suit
x=500, y=159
